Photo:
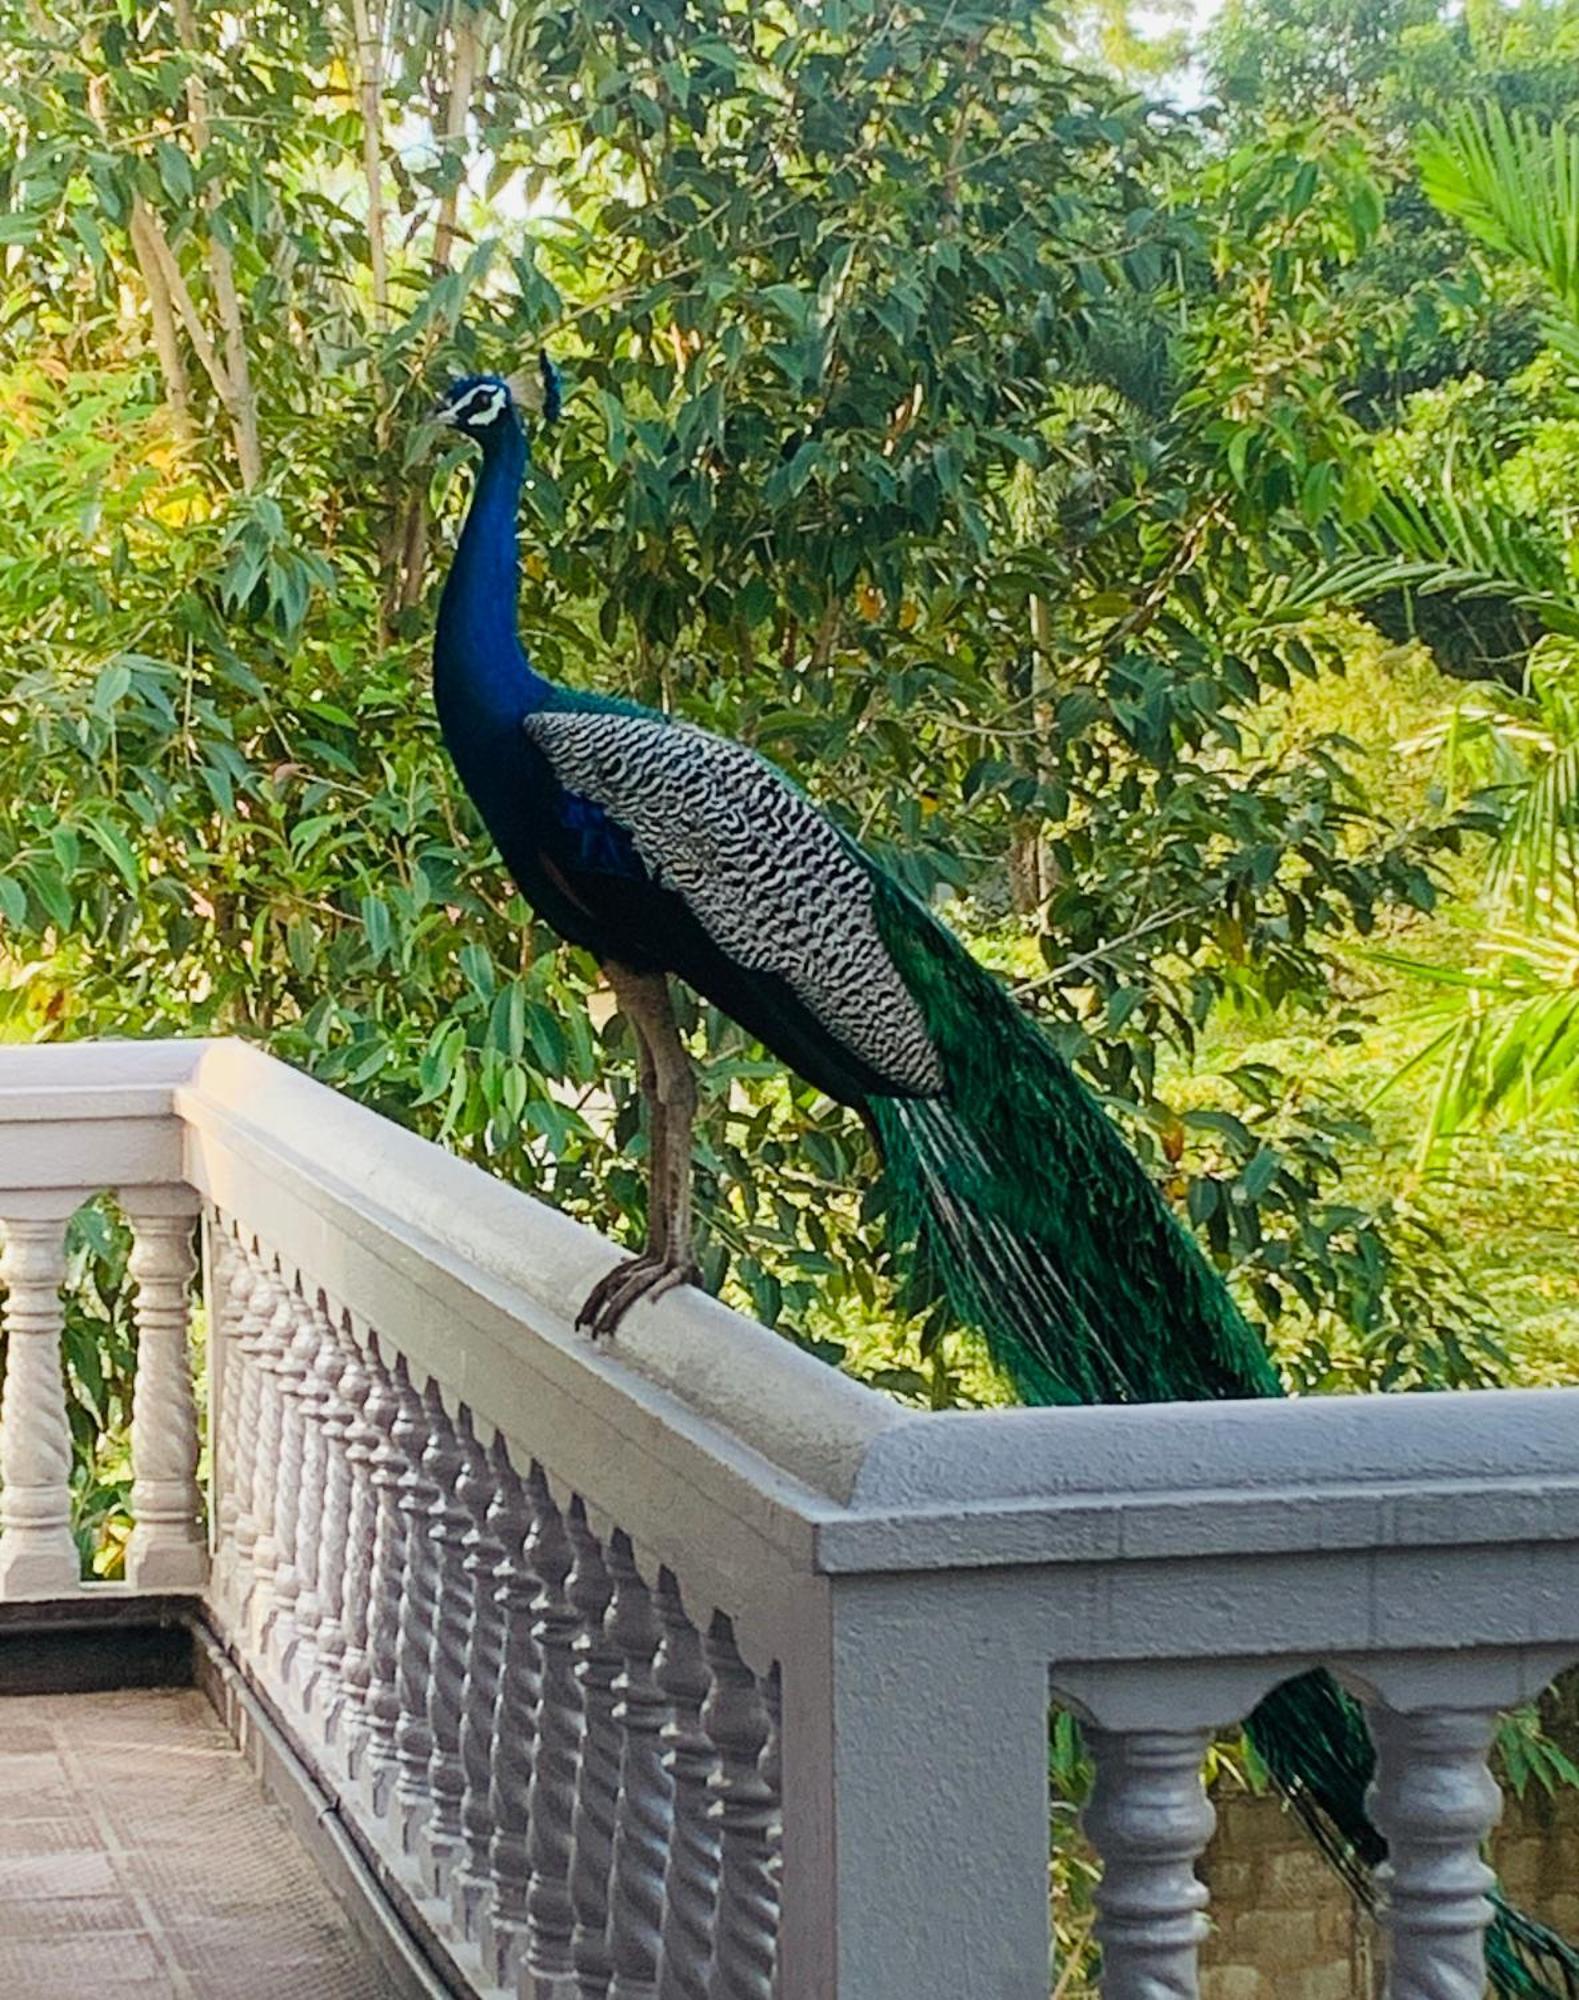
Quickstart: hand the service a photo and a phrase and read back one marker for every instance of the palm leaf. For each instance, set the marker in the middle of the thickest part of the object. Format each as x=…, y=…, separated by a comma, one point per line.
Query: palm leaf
x=1451, y=538
x=1515, y=185
x=1506, y=1032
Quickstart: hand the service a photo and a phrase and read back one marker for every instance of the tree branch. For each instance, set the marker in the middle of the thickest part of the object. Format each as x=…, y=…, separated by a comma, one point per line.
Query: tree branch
x=161, y=307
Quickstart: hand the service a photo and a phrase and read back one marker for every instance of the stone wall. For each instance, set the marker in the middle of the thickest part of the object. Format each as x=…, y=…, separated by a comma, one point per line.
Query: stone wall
x=1285, y=1929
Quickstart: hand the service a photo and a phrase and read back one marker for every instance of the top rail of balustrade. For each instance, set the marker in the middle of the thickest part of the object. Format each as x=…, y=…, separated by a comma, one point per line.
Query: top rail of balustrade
x=477, y=1283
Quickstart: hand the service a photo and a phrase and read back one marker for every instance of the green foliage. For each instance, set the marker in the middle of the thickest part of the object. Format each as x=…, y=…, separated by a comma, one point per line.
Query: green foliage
x=883, y=452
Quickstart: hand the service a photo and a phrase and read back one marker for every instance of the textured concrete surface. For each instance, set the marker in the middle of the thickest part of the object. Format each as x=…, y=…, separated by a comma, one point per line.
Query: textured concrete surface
x=139, y=1859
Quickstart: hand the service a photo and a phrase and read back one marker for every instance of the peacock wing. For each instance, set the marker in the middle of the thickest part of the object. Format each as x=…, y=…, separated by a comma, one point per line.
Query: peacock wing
x=772, y=882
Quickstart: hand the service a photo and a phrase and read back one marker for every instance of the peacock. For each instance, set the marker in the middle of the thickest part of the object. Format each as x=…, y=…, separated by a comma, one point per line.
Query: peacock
x=667, y=851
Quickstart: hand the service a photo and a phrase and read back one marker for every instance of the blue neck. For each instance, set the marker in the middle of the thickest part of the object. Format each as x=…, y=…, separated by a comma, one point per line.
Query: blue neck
x=483, y=683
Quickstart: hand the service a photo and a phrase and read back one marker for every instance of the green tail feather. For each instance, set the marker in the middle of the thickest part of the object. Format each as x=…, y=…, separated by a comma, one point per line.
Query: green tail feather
x=1017, y=1200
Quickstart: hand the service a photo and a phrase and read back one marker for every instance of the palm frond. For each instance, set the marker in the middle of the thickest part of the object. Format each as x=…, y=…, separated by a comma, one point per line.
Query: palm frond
x=1453, y=537
x=1514, y=183
x=1506, y=1031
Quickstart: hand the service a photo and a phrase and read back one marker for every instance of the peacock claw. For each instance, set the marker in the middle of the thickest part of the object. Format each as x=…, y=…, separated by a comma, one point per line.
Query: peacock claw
x=648, y=1275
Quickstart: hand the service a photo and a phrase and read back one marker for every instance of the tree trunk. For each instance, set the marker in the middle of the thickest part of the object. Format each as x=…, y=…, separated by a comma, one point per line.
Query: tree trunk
x=457, y=112
x=240, y=400
x=369, y=86
x=465, y=51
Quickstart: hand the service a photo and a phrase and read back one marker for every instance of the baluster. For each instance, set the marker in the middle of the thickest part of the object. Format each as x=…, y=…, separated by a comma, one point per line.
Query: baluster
x=273, y=1337
x=690, y=1883
x=747, y=1923
x=497, y=1826
x=556, y=1733
x=382, y=1706
x=294, y=1375
x=413, y=1433
x=773, y=1778
x=320, y=1613
x=598, y=1780
x=234, y=1270
x=1149, y=1819
x=641, y=1832
x=1436, y=1803
x=449, y=1522
x=256, y=1314
x=38, y=1556
x=166, y=1550
x=482, y=1555
x=347, y=1720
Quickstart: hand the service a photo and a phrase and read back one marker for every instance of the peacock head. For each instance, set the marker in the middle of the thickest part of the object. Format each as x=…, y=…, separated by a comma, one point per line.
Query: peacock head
x=478, y=406
x=483, y=407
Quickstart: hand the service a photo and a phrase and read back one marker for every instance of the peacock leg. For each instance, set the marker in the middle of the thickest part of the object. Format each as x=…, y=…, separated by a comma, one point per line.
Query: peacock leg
x=669, y=1088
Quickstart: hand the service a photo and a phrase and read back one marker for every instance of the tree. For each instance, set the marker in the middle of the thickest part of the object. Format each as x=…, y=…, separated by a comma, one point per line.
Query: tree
x=884, y=452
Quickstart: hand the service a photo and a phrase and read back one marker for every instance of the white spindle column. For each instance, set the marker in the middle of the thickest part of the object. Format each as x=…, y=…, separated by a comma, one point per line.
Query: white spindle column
x=598, y=1780
x=498, y=1862
x=747, y=1923
x=641, y=1832
x=292, y=1372
x=419, y=1602
x=38, y=1556
x=345, y=1719
x=1436, y=1803
x=300, y=1380
x=233, y=1278
x=483, y=1489
x=166, y=1550
x=449, y=1522
x=381, y=1708
x=257, y=1310
x=1149, y=1819
x=324, y=1524
x=274, y=1336
x=556, y=1734
x=773, y=1777
x=690, y=1884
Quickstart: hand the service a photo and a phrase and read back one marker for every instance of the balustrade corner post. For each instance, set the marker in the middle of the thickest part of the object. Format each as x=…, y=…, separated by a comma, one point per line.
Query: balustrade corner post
x=1436, y=1802
x=38, y=1554
x=167, y=1549
x=914, y=1758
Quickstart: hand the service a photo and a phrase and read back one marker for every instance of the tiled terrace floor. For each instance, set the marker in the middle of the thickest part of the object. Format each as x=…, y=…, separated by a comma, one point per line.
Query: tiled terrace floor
x=138, y=1858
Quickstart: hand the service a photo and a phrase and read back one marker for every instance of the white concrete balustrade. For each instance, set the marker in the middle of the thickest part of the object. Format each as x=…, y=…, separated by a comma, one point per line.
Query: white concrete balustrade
x=686, y=1669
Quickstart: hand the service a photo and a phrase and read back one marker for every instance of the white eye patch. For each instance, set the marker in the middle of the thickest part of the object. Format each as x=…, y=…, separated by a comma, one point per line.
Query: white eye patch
x=480, y=405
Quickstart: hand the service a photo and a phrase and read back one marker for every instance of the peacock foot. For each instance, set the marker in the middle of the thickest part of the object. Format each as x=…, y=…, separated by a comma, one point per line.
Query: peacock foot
x=648, y=1275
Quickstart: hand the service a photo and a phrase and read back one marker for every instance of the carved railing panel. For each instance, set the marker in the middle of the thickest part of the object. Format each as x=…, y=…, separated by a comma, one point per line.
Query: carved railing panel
x=576, y=1784
x=651, y=1670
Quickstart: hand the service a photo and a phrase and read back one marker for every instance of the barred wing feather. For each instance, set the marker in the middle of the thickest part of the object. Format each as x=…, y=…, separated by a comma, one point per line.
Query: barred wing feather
x=772, y=882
